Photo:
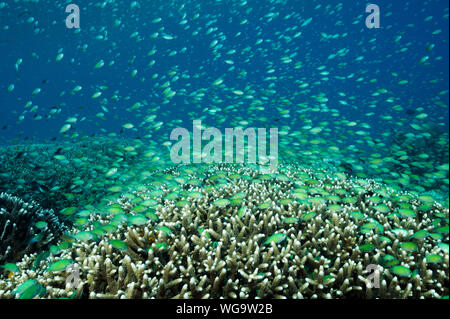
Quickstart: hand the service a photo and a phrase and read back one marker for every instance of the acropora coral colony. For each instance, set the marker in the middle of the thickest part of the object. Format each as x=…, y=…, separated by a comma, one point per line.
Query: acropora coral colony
x=230, y=231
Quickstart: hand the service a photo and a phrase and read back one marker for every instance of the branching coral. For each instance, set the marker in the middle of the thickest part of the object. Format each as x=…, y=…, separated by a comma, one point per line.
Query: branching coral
x=231, y=232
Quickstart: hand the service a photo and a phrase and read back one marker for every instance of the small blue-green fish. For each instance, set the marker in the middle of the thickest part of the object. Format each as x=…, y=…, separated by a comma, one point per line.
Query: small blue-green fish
x=59, y=265
x=275, y=238
x=11, y=267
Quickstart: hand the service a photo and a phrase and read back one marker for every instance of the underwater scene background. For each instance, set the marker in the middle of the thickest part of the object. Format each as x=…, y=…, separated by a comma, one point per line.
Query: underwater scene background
x=93, y=205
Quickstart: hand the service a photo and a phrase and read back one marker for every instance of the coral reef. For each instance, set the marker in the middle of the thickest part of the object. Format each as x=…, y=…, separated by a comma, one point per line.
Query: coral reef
x=25, y=228
x=411, y=160
x=230, y=231
x=63, y=174
x=424, y=154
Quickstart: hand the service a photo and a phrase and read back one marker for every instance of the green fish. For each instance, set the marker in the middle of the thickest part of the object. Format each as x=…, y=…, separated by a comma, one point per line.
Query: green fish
x=118, y=244
x=59, y=265
x=275, y=238
x=11, y=267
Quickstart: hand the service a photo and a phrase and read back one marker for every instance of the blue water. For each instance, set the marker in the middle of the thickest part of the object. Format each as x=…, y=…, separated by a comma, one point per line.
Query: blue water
x=381, y=57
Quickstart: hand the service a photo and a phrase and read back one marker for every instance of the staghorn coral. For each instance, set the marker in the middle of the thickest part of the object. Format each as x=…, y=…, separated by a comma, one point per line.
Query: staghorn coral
x=220, y=236
x=19, y=234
